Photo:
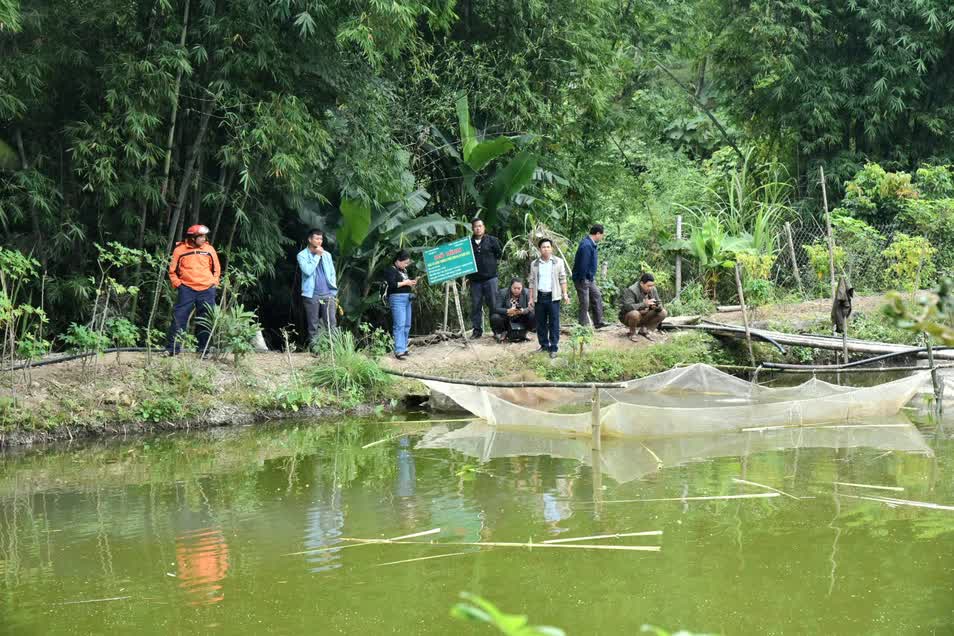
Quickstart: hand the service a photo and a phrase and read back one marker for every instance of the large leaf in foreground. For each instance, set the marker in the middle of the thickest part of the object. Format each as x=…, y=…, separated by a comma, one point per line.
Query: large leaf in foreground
x=509, y=181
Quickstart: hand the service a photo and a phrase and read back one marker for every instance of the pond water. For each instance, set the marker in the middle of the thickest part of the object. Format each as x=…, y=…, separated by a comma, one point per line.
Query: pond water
x=198, y=533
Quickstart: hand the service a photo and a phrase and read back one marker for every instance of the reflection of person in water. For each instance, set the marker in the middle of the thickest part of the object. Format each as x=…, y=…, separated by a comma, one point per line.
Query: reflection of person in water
x=324, y=525
x=202, y=559
x=405, y=486
x=556, y=503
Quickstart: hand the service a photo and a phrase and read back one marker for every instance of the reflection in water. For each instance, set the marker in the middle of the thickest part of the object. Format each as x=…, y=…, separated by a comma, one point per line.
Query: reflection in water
x=325, y=524
x=756, y=562
x=202, y=557
x=557, y=505
x=626, y=459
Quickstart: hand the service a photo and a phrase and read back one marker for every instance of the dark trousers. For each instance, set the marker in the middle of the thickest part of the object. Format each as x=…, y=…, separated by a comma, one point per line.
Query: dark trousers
x=548, y=321
x=482, y=293
x=320, y=315
x=188, y=300
x=590, y=300
x=502, y=324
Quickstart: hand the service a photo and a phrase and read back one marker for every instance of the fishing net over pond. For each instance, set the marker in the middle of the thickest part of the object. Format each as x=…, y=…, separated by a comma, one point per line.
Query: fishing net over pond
x=682, y=401
x=628, y=459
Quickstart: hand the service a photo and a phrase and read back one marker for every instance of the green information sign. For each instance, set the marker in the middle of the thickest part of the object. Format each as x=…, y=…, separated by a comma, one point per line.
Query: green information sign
x=449, y=261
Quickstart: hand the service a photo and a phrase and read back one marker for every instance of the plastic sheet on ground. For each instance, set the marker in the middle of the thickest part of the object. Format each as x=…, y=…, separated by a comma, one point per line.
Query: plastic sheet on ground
x=689, y=400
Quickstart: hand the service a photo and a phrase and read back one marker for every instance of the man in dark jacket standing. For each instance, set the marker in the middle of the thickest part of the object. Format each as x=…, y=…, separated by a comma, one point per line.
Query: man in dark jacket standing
x=483, y=282
x=584, y=278
x=512, y=314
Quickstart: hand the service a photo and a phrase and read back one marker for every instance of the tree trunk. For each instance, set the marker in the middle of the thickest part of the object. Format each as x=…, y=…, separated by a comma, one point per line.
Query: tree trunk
x=197, y=190
x=228, y=246
x=225, y=182
x=34, y=214
x=701, y=79
x=187, y=174
x=167, y=165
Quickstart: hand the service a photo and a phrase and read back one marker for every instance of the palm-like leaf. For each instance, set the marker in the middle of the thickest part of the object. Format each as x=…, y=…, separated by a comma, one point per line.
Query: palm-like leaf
x=508, y=181
x=355, y=224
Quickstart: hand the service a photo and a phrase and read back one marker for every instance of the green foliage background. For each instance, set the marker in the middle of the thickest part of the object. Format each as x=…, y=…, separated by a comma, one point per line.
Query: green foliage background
x=127, y=121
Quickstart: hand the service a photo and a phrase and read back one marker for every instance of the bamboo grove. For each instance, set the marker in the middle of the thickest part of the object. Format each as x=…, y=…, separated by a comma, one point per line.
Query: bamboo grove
x=123, y=122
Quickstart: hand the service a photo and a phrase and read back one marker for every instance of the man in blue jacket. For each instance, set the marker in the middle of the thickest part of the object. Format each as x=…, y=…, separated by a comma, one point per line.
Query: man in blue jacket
x=319, y=285
x=584, y=278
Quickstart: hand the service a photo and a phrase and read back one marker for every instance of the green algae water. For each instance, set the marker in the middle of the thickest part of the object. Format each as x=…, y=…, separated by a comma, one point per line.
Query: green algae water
x=244, y=531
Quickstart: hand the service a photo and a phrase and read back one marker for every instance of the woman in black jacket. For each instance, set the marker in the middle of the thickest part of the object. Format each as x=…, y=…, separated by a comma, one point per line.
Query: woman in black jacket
x=400, y=294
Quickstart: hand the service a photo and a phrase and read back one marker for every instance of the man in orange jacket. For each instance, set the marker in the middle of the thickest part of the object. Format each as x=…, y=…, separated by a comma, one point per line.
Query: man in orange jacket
x=195, y=272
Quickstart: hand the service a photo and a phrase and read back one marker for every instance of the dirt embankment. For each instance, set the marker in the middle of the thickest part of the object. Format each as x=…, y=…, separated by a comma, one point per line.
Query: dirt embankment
x=124, y=395
x=120, y=395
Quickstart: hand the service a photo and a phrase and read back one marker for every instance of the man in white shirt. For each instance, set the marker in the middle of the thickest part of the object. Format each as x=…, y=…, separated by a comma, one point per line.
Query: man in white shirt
x=547, y=289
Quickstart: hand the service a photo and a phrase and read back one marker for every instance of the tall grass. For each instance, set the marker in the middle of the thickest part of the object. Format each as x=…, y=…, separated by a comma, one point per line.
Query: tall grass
x=347, y=371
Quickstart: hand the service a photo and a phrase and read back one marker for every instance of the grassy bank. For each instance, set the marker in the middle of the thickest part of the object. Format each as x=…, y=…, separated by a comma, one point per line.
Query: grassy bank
x=119, y=394
x=609, y=365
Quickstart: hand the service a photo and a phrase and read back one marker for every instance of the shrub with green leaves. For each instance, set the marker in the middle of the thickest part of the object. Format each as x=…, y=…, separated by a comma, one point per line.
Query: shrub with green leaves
x=818, y=259
x=122, y=333
x=375, y=341
x=759, y=292
x=31, y=347
x=910, y=261
x=18, y=319
x=160, y=409
x=692, y=301
x=580, y=336
x=755, y=266
x=291, y=398
x=82, y=339
x=233, y=330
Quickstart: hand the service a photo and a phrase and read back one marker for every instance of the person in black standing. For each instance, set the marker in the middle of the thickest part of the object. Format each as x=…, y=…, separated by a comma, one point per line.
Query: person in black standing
x=483, y=282
x=400, y=295
x=584, y=278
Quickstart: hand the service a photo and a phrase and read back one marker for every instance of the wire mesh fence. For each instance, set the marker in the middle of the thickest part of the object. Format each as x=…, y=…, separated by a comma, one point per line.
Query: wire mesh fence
x=872, y=258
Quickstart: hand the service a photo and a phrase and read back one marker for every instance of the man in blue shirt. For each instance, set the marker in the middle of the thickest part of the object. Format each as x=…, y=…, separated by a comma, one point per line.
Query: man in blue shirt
x=584, y=278
x=319, y=286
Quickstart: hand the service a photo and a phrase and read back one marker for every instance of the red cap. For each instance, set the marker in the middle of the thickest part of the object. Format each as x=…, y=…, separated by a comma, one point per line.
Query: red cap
x=196, y=230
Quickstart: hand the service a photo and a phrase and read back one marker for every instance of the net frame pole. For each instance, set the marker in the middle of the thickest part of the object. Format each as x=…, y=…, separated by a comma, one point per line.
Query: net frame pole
x=595, y=420
x=831, y=240
x=938, y=395
x=745, y=313
x=678, y=257
x=791, y=254
x=596, y=463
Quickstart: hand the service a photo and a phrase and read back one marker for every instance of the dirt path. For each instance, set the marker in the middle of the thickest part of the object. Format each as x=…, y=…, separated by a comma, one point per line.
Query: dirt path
x=485, y=358
x=807, y=311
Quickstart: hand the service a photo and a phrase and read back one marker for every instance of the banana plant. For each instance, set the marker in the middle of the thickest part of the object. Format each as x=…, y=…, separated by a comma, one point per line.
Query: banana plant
x=366, y=236
x=492, y=191
x=711, y=248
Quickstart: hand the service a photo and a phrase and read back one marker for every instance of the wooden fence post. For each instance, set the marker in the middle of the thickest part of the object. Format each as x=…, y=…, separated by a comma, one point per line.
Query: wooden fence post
x=460, y=314
x=831, y=240
x=447, y=293
x=791, y=254
x=938, y=387
x=678, y=257
x=745, y=314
